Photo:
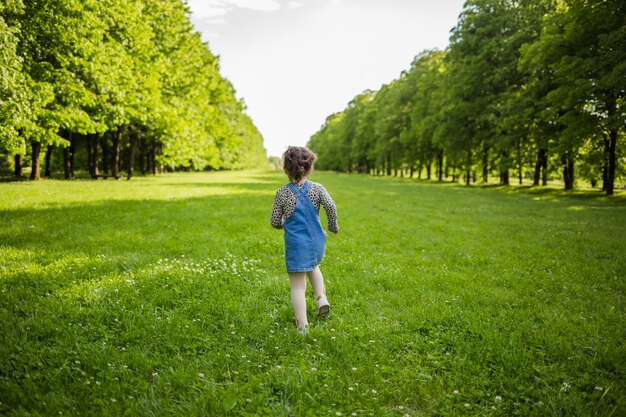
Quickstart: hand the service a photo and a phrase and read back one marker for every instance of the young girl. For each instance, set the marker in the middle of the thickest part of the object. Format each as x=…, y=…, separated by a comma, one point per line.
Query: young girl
x=296, y=209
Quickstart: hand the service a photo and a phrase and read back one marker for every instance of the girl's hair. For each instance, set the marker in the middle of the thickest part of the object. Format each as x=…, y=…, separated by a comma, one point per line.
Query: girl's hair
x=298, y=162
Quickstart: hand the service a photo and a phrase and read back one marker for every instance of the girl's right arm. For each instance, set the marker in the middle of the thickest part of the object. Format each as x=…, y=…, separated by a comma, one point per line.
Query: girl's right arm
x=277, y=219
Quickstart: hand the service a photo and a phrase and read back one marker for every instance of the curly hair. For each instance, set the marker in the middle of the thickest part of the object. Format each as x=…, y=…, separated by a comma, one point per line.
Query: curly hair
x=298, y=162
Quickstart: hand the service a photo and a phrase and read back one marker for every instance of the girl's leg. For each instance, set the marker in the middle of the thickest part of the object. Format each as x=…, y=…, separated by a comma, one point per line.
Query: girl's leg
x=298, y=300
x=317, y=282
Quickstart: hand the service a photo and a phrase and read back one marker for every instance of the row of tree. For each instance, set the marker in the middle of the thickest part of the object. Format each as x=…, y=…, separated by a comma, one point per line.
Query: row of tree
x=126, y=82
x=532, y=87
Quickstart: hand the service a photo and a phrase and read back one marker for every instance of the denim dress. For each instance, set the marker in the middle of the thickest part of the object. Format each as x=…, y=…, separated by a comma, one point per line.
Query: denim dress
x=304, y=236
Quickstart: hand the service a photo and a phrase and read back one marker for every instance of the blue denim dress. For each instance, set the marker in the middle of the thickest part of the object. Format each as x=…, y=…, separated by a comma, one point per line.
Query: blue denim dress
x=304, y=236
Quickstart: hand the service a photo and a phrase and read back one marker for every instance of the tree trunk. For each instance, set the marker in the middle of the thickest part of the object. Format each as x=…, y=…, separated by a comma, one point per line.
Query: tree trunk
x=131, y=154
x=115, y=157
x=142, y=155
x=486, y=164
x=544, y=170
x=35, y=171
x=520, y=163
x=440, y=165
x=89, y=147
x=66, y=163
x=67, y=155
x=93, y=162
x=610, y=177
x=605, y=163
x=71, y=154
x=46, y=171
x=504, y=177
x=568, y=171
x=19, y=165
x=469, y=165
x=540, y=156
x=153, y=152
x=104, y=144
x=504, y=168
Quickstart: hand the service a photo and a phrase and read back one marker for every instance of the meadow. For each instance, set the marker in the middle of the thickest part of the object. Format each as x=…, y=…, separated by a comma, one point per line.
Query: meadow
x=167, y=296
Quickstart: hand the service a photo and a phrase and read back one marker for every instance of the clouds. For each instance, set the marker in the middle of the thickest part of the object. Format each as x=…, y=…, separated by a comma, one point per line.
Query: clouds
x=213, y=11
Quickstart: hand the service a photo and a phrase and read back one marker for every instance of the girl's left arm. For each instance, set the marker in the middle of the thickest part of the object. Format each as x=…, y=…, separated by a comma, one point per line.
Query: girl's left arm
x=330, y=208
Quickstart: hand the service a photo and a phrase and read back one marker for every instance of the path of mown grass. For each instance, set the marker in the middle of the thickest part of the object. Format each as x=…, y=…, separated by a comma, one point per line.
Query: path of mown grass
x=167, y=296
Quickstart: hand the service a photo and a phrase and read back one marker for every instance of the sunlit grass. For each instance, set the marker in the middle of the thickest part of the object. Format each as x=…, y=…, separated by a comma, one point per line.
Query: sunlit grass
x=168, y=296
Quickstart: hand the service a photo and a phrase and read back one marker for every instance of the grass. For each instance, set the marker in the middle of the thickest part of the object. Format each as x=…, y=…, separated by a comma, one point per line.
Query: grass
x=167, y=296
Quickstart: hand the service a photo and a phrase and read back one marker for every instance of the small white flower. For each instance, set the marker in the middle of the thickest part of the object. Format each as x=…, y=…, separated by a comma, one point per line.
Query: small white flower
x=374, y=391
x=313, y=369
x=598, y=388
x=113, y=400
x=200, y=374
x=456, y=391
x=466, y=405
x=350, y=389
x=498, y=398
x=354, y=369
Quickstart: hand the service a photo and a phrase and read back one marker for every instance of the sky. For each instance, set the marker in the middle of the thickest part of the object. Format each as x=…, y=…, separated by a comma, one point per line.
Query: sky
x=295, y=62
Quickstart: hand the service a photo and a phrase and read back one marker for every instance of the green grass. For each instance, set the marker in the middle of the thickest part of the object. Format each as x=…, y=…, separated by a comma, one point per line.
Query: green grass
x=167, y=296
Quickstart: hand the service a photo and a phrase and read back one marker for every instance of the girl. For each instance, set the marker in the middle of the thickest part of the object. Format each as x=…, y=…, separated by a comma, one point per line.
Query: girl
x=296, y=209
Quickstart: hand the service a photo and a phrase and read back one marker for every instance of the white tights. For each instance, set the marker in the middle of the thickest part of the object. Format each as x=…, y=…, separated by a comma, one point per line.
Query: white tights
x=298, y=289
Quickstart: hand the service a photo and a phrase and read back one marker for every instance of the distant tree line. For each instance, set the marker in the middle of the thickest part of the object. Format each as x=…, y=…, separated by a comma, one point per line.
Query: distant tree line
x=532, y=88
x=119, y=84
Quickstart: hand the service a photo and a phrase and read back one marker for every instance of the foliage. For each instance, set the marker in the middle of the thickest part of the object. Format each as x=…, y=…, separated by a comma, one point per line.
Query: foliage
x=112, y=72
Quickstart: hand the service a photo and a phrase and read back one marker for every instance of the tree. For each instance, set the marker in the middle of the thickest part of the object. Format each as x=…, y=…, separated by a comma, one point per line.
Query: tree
x=583, y=45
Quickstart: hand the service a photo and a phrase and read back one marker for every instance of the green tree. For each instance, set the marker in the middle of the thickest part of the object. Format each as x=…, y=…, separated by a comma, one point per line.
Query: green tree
x=15, y=94
x=583, y=45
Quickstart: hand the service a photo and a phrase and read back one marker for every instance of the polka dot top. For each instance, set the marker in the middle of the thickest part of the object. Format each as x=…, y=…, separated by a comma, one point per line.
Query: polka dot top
x=285, y=204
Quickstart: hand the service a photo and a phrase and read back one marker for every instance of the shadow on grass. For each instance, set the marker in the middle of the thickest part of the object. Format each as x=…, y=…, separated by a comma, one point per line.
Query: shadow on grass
x=141, y=230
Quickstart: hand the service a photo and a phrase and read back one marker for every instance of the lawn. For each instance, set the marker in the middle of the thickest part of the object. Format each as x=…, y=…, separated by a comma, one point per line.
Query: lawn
x=167, y=296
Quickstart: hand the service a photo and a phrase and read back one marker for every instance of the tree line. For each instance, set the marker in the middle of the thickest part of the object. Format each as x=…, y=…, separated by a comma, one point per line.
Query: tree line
x=532, y=88
x=118, y=84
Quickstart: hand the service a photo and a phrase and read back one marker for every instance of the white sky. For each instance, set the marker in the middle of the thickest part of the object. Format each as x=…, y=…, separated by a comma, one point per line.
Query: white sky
x=295, y=62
